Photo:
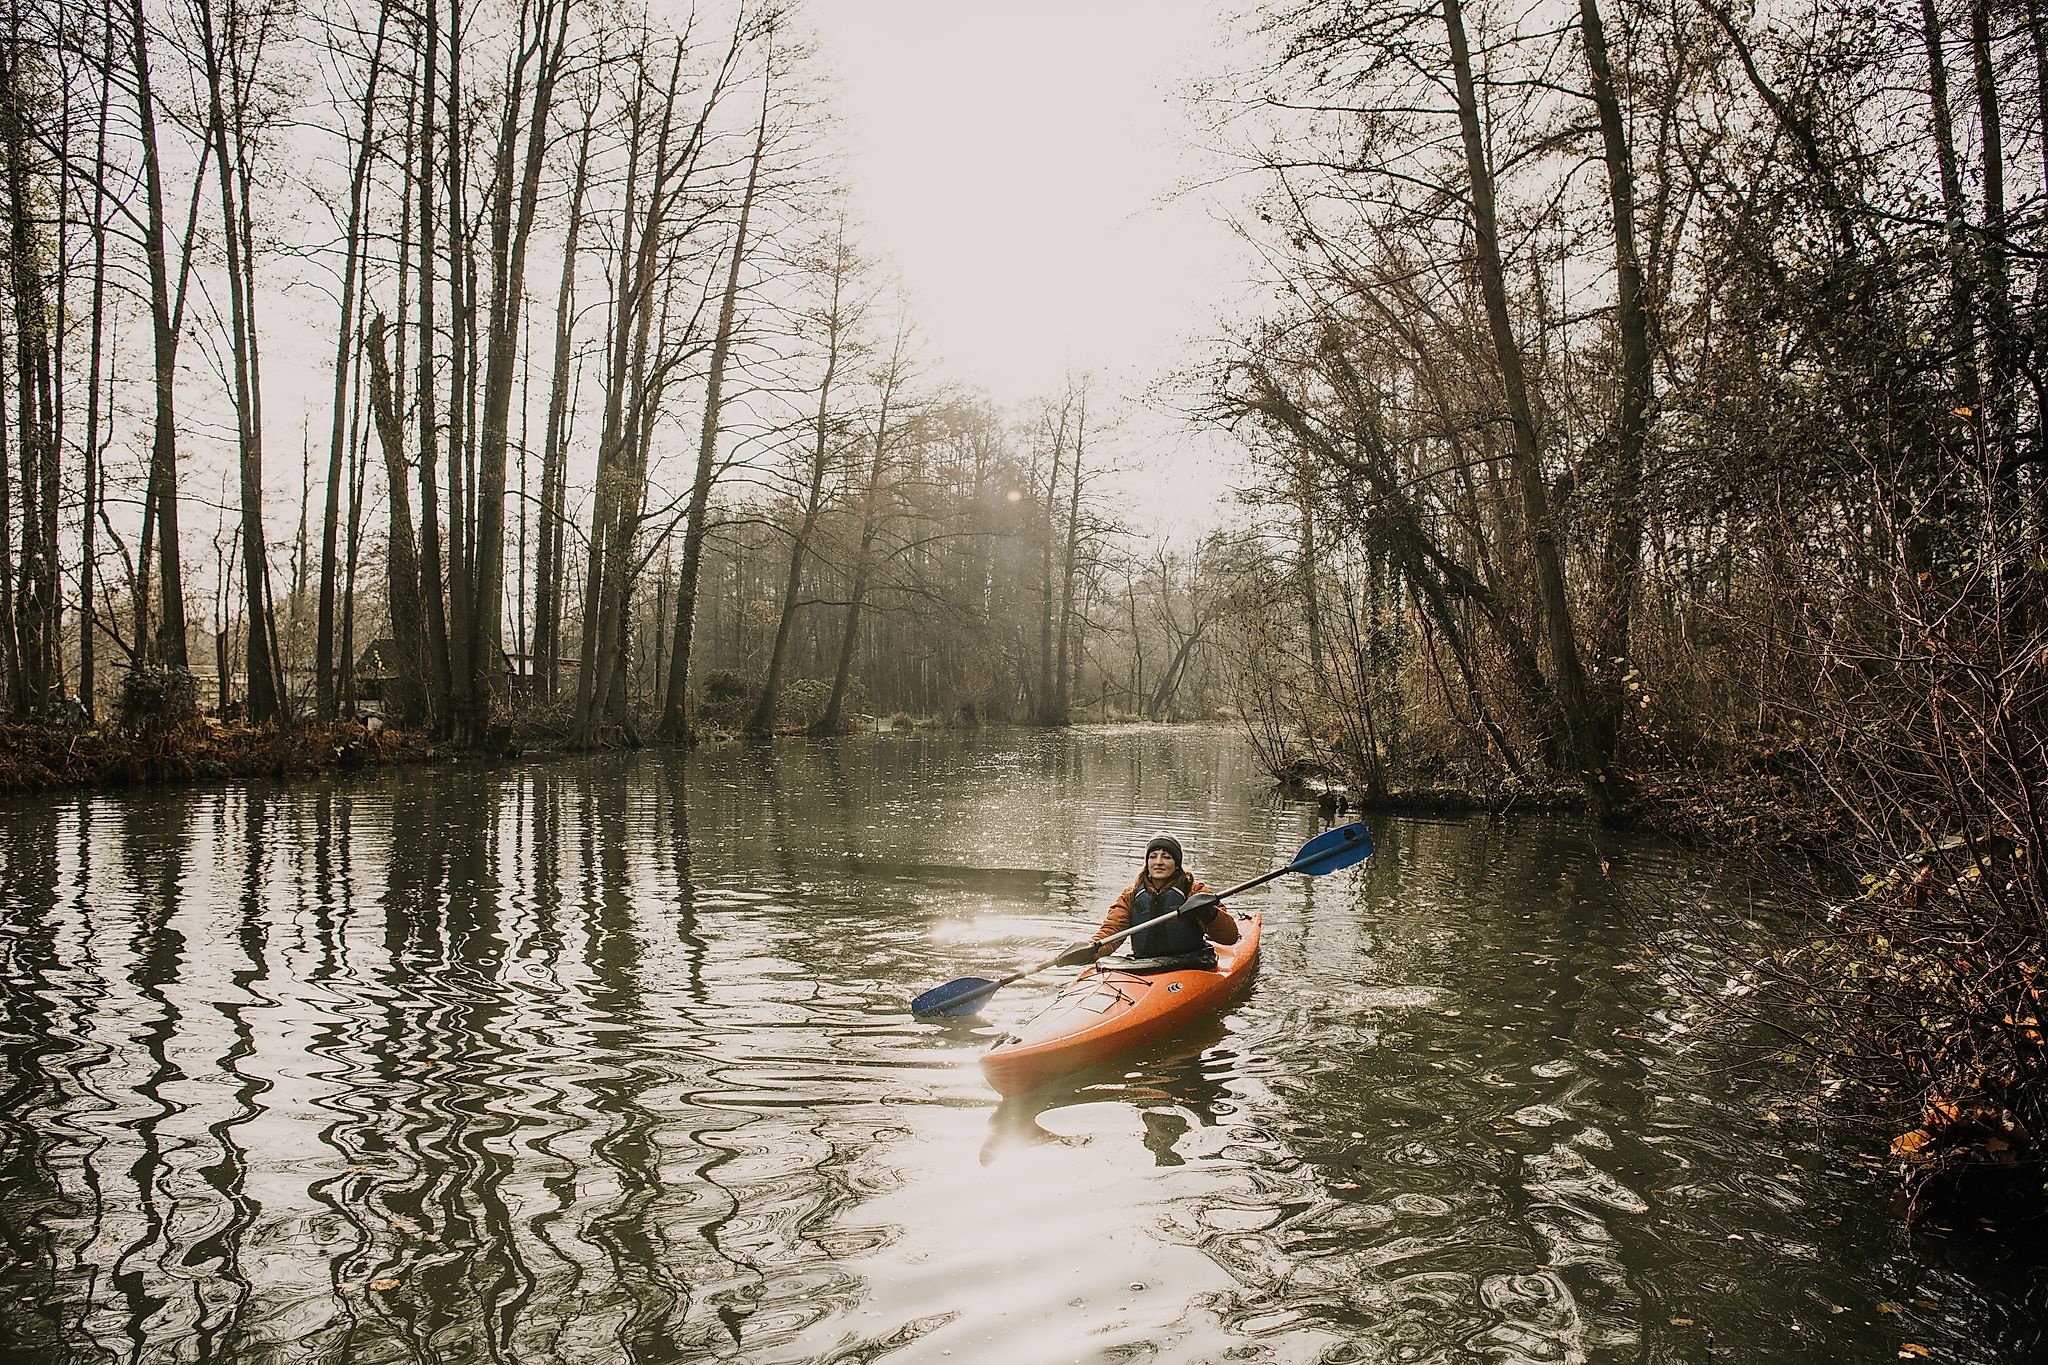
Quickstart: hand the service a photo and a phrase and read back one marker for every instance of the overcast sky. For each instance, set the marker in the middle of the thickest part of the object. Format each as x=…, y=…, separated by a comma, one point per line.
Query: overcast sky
x=1016, y=162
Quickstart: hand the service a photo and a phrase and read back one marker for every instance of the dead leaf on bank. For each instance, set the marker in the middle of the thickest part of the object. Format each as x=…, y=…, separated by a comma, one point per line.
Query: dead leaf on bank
x=385, y=1284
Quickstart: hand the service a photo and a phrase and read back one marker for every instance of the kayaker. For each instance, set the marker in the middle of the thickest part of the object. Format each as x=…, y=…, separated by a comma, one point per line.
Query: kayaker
x=1164, y=886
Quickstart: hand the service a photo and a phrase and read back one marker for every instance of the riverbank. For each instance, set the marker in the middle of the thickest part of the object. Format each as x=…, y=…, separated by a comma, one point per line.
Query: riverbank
x=52, y=757
x=1732, y=810
x=46, y=757
x=1722, y=813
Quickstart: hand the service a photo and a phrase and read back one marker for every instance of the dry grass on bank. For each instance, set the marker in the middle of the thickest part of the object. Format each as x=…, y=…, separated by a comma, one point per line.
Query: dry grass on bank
x=36, y=757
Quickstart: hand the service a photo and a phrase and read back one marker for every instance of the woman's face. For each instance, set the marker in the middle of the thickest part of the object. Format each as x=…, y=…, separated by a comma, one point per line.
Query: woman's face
x=1159, y=865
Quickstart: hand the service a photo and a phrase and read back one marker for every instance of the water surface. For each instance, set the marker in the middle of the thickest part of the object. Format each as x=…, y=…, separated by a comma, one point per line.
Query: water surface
x=610, y=1060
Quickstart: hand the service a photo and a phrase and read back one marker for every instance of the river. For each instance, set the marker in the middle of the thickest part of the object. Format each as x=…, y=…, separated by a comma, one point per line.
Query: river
x=610, y=1060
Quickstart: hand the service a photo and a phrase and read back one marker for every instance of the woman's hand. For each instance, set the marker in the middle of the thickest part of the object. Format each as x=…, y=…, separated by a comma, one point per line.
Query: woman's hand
x=1078, y=955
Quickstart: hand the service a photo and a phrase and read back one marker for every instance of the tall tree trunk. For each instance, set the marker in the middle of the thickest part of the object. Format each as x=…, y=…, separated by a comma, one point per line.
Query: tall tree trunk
x=1588, y=746
x=675, y=721
x=408, y=614
x=224, y=84
x=632, y=399
x=1062, y=699
x=611, y=438
x=762, y=722
x=61, y=327
x=1042, y=702
x=2037, y=36
x=160, y=502
x=10, y=651
x=548, y=567
x=1999, y=338
x=29, y=679
x=324, y=688
x=1136, y=692
x=88, y=527
x=1955, y=210
x=1307, y=573
x=455, y=558
x=511, y=229
x=359, y=459
x=1621, y=567
x=870, y=525
x=432, y=595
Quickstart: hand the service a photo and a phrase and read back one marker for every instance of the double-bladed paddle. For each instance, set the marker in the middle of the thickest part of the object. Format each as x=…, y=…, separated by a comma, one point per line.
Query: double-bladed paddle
x=1328, y=851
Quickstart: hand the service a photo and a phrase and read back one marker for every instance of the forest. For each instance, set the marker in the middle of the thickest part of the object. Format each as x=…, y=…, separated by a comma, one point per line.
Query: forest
x=1657, y=402
x=615, y=423
x=1649, y=409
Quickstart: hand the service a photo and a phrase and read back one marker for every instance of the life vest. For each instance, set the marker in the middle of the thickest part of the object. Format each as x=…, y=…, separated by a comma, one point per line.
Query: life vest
x=1178, y=937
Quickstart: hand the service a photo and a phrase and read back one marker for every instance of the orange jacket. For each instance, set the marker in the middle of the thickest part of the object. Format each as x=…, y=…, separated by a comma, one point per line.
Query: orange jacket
x=1221, y=928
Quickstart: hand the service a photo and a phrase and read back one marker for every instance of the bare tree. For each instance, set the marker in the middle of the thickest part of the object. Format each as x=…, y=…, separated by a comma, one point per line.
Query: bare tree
x=1590, y=746
x=836, y=321
x=645, y=348
x=675, y=721
x=160, y=502
x=515, y=196
x=889, y=385
x=551, y=523
x=28, y=611
x=232, y=47
x=402, y=567
x=1069, y=643
x=345, y=345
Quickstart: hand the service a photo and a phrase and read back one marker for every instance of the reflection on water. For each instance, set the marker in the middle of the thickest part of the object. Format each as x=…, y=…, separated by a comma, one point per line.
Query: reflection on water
x=610, y=1060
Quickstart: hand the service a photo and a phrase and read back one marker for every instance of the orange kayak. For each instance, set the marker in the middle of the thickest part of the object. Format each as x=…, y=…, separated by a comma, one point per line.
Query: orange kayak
x=1104, y=1013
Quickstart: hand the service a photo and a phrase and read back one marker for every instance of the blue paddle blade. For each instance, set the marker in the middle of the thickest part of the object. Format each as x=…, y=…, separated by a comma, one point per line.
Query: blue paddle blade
x=944, y=1000
x=1332, y=849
